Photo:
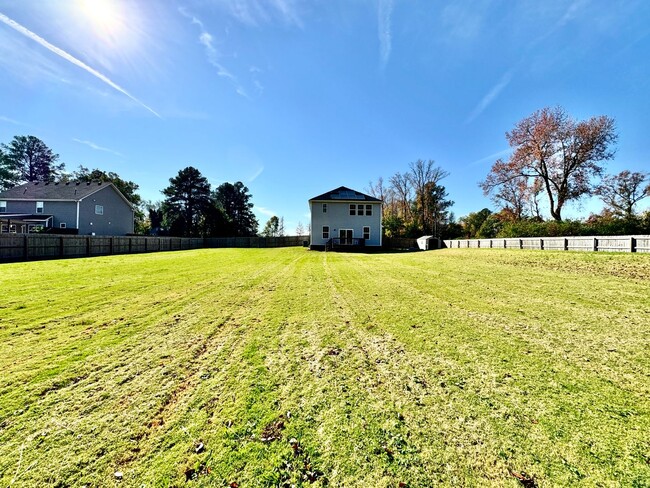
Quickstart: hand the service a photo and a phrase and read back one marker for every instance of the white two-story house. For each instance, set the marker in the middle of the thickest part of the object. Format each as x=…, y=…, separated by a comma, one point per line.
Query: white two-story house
x=345, y=219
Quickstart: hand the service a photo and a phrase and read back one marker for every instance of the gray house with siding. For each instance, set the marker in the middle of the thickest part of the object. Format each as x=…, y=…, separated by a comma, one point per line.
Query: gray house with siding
x=77, y=208
x=344, y=218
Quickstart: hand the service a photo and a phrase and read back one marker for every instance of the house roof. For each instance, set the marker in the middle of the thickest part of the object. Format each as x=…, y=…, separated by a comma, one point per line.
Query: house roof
x=74, y=191
x=345, y=194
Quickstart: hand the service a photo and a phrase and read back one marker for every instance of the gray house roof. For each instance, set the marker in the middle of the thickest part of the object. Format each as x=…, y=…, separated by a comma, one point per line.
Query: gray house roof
x=344, y=194
x=72, y=192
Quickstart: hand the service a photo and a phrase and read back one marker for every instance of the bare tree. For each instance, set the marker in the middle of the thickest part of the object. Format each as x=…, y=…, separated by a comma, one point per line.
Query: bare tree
x=623, y=191
x=401, y=184
x=563, y=153
x=423, y=174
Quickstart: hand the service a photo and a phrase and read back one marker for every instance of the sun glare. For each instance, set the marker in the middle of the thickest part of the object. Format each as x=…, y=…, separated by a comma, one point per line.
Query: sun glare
x=104, y=15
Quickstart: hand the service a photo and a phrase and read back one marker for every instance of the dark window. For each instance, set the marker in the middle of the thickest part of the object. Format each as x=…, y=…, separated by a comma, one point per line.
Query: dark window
x=368, y=209
x=3, y=206
x=359, y=209
x=324, y=208
x=99, y=209
x=39, y=207
x=366, y=233
x=62, y=225
x=326, y=232
x=353, y=209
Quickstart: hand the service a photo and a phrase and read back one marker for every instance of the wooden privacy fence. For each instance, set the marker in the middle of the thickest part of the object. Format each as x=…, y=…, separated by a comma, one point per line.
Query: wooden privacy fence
x=284, y=241
x=591, y=243
x=22, y=247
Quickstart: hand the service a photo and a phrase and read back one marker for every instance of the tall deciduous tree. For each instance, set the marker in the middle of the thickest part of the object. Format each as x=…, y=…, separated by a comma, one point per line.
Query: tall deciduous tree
x=271, y=227
x=27, y=158
x=128, y=188
x=425, y=175
x=623, y=191
x=563, y=153
x=438, y=205
x=187, y=201
x=234, y=199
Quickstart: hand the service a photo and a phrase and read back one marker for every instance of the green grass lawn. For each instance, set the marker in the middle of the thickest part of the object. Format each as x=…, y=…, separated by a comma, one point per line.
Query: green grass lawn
x=281, y=367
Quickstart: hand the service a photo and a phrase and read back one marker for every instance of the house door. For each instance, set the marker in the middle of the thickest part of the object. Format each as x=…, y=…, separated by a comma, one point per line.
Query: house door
x=346, y=236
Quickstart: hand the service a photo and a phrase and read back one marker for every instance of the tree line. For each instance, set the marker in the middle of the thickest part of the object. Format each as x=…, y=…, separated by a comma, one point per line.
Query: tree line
x=415, y=202
x=555, y=160
x=190, y=208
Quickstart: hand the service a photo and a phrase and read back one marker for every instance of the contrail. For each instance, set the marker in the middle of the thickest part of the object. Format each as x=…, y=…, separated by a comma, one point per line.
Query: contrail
x=68, y=57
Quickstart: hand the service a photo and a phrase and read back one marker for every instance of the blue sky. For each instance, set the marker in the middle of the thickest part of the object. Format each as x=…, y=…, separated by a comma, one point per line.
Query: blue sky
x=296, y=97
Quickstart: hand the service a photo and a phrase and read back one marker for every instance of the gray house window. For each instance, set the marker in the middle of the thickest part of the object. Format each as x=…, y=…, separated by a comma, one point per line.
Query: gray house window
x=324, y=208
x=359, y=209
x=366, y=233
x=99, y=210
x=353, y=209
x=326, y=232
x=3, y=206
x=62, y=225
x=368, y=209
x=39, y=207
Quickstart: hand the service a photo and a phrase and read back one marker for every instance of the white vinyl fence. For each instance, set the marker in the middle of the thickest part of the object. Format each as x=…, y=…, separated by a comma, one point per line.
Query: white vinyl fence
x=591, y=243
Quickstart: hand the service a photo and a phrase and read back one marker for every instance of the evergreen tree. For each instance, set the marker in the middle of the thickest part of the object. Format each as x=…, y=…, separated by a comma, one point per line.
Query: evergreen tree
x=187, y=201
x=27, y=158
x=234, y=199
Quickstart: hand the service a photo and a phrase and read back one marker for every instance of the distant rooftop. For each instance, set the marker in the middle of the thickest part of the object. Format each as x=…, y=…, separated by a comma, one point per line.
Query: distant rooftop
x=53, y=191
x=345, y=194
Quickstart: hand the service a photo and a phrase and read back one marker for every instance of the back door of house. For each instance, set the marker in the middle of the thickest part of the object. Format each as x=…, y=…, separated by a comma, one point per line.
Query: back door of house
x=346, y=236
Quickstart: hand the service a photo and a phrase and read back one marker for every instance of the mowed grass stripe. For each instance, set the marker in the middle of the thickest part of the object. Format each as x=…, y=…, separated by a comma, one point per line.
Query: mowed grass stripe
x=420, y=369
x=514, y=349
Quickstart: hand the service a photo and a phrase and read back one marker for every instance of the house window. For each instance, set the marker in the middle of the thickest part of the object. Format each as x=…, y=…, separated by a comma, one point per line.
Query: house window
x=324, y=208
x=368, y=209
x=359, y=209
x=3, y=206
x=99, y=210
x=326, y=232
x=366, y=233
x=353, y=209
x=62, y=225
x=39, y=207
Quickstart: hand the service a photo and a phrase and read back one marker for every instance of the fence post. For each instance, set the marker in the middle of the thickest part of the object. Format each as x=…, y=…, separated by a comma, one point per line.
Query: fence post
x=61, y=245
x=88, y=246
x=632, y=244
x=521, y=243
x=130, y=245
x=541, y=244
x=111, y=246
x=566, y=244
x=595, y=244
x=25, y=246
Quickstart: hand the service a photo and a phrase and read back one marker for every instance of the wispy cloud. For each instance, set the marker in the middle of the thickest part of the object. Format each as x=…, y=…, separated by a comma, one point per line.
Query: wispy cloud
x=491, y=157
x=463, y=21
x=265, y=211
x=490, y=96
x=207, y=41
x=384, y=14
x=256, y=174
x=571, y=11
x=68, y=57
x=97, y=147
x=10, y=121
x=256, y=12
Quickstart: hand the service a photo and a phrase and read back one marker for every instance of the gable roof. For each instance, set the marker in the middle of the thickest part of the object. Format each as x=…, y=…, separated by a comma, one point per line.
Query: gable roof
x=73, y=192
x=345, y=194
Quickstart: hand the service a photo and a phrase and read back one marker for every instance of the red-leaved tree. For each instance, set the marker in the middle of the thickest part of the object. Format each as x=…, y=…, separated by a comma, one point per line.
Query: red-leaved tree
x=561, y=154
